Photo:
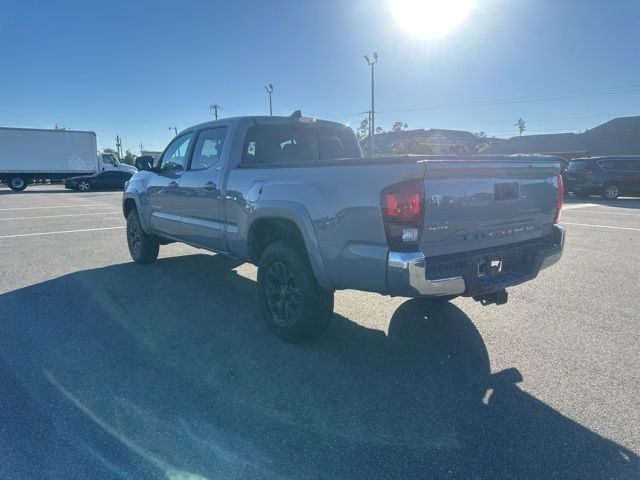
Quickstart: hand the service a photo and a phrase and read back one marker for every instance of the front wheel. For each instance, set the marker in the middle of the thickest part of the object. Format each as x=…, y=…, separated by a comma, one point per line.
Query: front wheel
x=293, y=304
x=144, y=248
x=84, y=186
x=17, y=184
x=610, y=192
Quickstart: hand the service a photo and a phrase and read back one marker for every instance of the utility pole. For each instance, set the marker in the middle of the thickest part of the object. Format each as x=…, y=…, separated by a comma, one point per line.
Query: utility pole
x=373, y=108
x=175, y=130
x=119, y=146
x=214, y=110
x=269, y=89
x=141, y=147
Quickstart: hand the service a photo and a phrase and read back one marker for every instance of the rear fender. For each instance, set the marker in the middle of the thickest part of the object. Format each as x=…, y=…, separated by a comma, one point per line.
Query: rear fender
x=297, y=214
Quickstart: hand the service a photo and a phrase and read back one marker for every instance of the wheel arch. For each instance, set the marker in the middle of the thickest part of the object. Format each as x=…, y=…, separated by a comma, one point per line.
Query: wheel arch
x=270, y=222
x=130, y=202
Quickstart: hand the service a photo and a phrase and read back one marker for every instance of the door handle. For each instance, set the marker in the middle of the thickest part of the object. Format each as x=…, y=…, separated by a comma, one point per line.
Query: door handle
x=210, y=186
x=173, y=185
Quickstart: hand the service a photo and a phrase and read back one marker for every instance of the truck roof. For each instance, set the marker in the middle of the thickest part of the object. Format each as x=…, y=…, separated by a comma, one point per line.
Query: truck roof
x=268, y=120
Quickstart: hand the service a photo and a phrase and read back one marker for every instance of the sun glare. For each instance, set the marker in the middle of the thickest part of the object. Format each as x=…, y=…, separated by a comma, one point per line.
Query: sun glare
x=430, y=18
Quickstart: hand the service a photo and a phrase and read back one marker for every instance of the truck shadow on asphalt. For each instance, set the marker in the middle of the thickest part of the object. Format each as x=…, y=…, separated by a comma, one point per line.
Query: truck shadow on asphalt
x=168, y=371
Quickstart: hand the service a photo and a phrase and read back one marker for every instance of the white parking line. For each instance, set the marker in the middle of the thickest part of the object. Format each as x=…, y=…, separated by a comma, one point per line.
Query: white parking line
x=67, y=215
x=609, y=213
x=599, y=226
x=63, y=231
x=58, y=206
x=573, y=206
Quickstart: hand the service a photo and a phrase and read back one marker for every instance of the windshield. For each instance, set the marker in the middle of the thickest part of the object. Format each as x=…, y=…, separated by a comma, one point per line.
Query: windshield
x=320, y=239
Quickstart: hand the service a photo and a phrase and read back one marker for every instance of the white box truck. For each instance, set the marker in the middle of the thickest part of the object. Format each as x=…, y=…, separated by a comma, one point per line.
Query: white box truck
x=28, y=154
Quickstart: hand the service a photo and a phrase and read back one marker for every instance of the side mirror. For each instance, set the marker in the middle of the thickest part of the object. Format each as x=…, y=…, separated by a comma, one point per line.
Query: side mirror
x=145, y=162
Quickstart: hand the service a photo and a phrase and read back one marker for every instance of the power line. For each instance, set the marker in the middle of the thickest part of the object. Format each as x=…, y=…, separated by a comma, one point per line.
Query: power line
x=511, y=102
x=594, y=92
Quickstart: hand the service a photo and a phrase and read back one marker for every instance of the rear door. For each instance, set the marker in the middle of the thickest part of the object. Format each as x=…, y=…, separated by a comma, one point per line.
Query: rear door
x=200, y=191
x=104, y=180
x=162, y=187
x=578, y=173
x=476, y=204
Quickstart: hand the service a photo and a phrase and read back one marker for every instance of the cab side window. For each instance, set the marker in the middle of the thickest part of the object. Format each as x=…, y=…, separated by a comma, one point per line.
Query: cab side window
x=175, y=156
x=208, y=148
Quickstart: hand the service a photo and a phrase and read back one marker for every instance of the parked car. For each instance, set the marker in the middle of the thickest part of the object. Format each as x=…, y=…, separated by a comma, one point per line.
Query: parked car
x=295, y=196
x=609, y=177
x=112, y=179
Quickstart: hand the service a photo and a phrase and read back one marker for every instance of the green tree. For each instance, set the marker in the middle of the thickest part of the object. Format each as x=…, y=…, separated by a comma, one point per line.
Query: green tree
x=399, y=127
x=483, y=143
x=521, y=125
x=363, y=131
x=112, y=151
x=129, y=158
x=379, y=130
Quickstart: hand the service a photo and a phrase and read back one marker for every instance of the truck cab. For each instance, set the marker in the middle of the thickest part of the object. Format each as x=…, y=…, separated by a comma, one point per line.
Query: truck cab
x=108, y=161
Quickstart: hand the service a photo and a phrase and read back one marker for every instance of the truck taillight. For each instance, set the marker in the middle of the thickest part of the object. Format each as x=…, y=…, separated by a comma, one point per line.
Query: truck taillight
x=559, y=199
x=403, y=214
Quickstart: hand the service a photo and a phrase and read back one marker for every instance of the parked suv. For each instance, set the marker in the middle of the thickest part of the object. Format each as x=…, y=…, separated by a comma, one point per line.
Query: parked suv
x=609, y=177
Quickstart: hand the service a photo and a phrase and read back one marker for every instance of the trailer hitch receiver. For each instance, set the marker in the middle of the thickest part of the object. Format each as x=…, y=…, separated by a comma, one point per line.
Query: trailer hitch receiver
x=498, y=298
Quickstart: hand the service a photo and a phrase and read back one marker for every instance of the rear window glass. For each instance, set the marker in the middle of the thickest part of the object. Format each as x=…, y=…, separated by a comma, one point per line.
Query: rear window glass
x=298, y=144
x=579, y=165
x=618, y=165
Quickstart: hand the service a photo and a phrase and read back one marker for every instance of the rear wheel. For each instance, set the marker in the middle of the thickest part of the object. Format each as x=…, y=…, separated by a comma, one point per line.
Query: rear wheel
x=293, y=304
x=144, y=248
x=17, y=184
x=84, y=186
x=610, y=191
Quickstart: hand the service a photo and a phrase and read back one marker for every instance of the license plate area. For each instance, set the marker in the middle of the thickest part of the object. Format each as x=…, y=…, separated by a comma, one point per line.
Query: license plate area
x=491, y=265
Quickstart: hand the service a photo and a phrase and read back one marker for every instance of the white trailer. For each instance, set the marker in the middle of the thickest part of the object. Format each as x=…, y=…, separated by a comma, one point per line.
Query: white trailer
x=28, y=154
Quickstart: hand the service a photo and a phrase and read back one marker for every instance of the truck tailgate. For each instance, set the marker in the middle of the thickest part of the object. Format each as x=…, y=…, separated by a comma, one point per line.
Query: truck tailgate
x=476, y=204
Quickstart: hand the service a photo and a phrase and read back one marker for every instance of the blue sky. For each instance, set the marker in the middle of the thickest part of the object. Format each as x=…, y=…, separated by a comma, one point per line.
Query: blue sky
x=136, y=68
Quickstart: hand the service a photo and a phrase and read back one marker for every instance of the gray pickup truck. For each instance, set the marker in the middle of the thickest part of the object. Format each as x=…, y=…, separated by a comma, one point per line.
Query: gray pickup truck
x=295, y=196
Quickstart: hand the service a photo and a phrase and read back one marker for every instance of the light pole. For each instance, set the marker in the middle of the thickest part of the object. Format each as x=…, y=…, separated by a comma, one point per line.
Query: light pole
x=269, y=89
x=372, y=125
x=175, y=130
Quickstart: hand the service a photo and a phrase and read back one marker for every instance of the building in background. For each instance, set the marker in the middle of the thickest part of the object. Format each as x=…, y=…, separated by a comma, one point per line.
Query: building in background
x=620, y=136
x=155, y=155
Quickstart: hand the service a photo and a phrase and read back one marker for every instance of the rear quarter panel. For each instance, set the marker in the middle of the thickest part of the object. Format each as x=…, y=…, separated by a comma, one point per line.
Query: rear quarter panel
x=341, y=204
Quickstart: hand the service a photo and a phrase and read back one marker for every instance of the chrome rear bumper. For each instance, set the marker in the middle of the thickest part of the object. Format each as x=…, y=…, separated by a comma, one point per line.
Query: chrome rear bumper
x=409, y=269
x=407, y=272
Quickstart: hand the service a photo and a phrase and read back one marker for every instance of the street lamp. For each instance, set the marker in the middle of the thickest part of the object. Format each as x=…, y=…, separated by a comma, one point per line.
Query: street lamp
x=373, y=110
x=175, y=130
x=269, y=89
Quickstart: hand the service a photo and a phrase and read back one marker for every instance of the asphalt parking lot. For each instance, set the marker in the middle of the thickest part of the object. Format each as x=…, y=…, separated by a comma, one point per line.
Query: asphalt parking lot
x=114, y=370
